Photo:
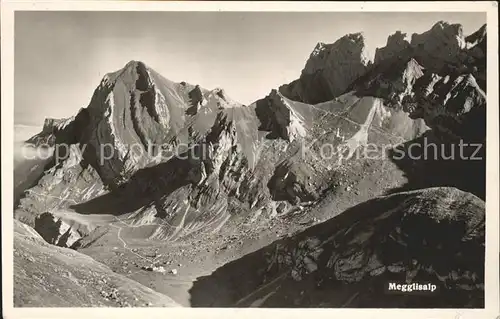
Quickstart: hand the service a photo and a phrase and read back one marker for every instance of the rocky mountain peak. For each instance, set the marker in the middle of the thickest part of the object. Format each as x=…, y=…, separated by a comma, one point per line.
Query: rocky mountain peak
x=445, y=27
x=329, y=70
x=51, y=126
x=284, y=118
x=129, y=73
x=52, y=123
x=477, y=37
x=348, y=48
x=442, y=43
x=318, y=49
x=396, y=43
x=222, y=99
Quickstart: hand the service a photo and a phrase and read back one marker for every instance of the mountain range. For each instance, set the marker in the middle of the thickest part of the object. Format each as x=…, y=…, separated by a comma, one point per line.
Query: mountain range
x=180, y=195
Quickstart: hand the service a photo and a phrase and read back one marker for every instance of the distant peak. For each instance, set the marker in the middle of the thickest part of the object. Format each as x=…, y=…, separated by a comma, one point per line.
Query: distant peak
x=275, y=93
x=397, y=37
x=220, y=92
x=136, y=66
x=319, y=45
x=130, y=70
x=134, y=63
x=51, y=123
x=482, y=29
x=476, y=37
x=440, y=24
x=443, y=25
x=221, y=95
x=357, y=37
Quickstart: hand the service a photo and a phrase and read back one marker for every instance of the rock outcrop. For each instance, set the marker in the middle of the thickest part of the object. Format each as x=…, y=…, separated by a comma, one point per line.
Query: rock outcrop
x=393, y=79
x=476, y=55
x=477, y=37
x=347, y=51
x=55, y=231
x=332, y=68
x=396, y=44
x=292, y=181
x=51, y=127
x=65, y=183
x=349, y=260
x=131, y=115
x=454, y=223
x=441, y=50
x=445, y=102
x=284, y=118
x=136, y=118
x=444, y=42
x=329, y=70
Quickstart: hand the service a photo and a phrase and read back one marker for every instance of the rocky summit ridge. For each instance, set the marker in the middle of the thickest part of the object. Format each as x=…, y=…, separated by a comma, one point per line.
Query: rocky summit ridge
x=153, y=161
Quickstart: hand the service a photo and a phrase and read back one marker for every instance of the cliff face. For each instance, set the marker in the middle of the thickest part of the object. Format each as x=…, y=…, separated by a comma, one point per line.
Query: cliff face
x=444, y=42
x=135, y=119
x=51, y=127
x=329, y=70
x=332, y=68
x=284, y=118
x=442, y=50
x=133, y=113
x=396, y=44
x=55, y=231
x=445, y=102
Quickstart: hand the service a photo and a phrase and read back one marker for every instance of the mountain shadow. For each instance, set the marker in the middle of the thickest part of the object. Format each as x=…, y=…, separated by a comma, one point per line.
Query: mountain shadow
x=145, y=187
x=431, y=161
x=349, y=260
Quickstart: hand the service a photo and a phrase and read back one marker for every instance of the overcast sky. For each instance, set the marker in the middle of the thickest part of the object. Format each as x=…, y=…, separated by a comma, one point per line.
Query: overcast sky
x=60, y=57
